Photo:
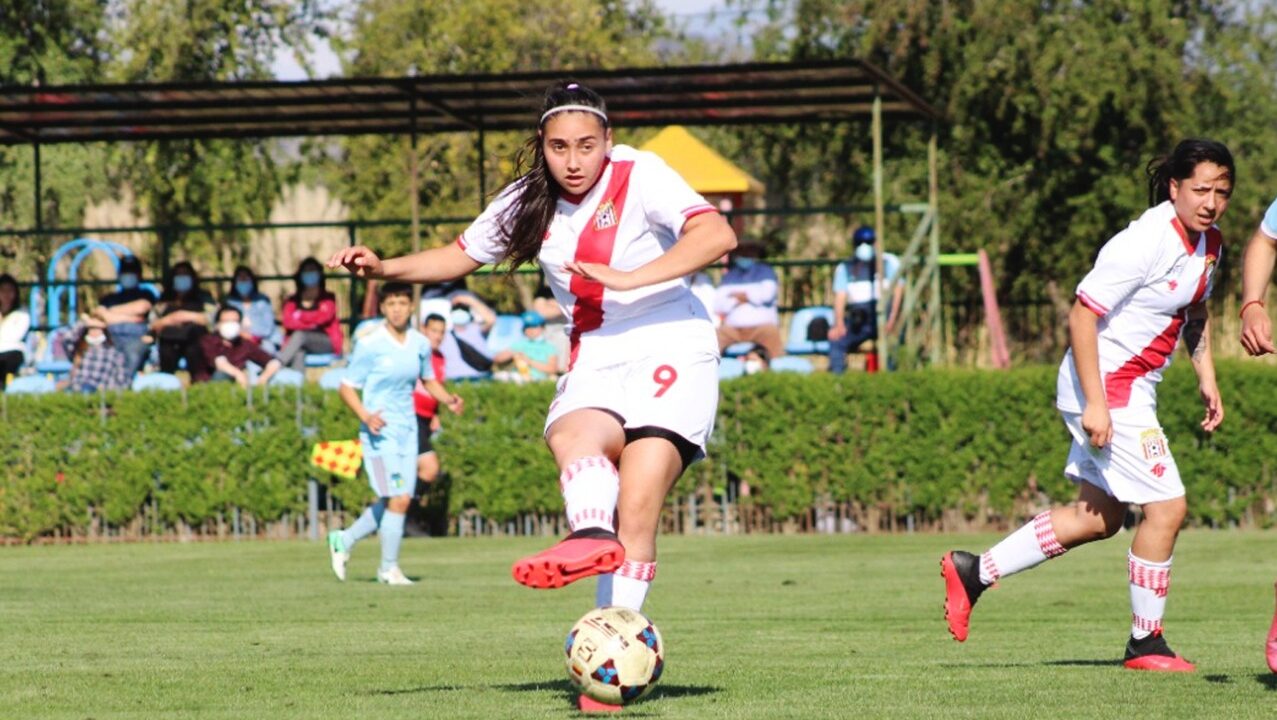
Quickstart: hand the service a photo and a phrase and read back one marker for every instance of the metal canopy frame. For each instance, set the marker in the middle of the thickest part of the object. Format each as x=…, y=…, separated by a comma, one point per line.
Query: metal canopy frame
x=734, y=94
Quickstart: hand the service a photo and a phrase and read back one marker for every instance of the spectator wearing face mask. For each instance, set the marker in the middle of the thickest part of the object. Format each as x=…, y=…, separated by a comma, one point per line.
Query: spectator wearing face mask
x=856, y=294
x=182, y=319
x=465, y=347
x=746, y=300
x=125, y=313
x=310, y=317
x=229, y=350
x=757, y=360
x=533, y=358
x=96, y=364
x=256, y=309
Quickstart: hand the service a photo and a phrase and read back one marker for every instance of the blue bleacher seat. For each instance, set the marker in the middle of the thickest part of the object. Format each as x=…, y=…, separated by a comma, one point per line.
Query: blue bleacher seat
x=791, y=363
x=737, y=349
x=729, y=368
x=156, y=381
x=331, y=379
x=287, y=377
x=319, y=360
x=55, y=367
x=31, y=384
x=798, y=343
x=506, y=331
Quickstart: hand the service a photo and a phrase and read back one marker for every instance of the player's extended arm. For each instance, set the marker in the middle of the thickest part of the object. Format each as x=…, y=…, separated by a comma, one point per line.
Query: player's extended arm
x=1257, y=267
x=428, y=266
x=350, y=395
x=705, y=238
x=1197, y=341
x=1084, y=337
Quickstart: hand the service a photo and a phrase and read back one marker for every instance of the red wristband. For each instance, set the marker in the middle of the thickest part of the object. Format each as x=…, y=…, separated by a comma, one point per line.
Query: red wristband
x=1246, y=305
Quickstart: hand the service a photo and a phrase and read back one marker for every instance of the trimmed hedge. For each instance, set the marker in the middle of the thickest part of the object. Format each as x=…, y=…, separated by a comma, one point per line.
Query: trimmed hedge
x=927, y=444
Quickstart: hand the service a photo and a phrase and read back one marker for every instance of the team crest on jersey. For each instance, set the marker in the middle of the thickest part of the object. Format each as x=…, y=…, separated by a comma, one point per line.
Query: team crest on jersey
x=1153, y=443
x=605, y=217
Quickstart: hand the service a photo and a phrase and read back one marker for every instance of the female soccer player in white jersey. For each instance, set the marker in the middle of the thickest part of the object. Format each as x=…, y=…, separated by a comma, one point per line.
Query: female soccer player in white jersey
x=617, y=234
x=1148, y=287
x=1257, y=328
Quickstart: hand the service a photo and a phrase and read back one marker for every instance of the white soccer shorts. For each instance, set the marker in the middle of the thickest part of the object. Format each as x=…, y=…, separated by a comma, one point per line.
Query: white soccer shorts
x=1136, y=467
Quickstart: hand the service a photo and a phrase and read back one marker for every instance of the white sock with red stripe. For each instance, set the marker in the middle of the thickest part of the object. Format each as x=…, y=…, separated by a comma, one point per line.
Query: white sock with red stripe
x=1149, y=583
x=590, y=487
x=1028, y=547
x=627, y=587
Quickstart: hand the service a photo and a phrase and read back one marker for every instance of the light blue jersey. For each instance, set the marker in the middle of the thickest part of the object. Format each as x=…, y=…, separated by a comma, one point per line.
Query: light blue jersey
x=387, y=371
x=1269, y=225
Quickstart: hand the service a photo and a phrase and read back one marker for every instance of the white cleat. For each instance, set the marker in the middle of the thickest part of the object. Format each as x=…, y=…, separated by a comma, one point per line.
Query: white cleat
x=393, y=576
x=337, y=553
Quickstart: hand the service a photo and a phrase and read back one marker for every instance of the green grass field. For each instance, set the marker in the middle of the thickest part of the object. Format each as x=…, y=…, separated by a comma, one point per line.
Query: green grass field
x=755, y=627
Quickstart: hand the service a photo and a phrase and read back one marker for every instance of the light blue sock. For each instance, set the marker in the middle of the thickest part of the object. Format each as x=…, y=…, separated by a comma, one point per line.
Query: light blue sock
x=391, y=532
x=366, y=524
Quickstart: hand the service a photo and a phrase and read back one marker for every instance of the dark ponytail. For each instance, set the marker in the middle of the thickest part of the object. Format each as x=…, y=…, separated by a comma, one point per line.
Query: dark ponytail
x=1181, y=164
x=525, y=221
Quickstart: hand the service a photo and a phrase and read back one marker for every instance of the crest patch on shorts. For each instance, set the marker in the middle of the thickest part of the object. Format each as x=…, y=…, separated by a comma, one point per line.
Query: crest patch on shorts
x=1153, y=444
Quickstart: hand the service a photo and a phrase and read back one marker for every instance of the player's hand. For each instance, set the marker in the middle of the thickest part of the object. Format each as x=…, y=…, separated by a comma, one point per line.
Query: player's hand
x=1214, y=406
x=1098, y=424
x=837, y=332
x=606, y=275
x=359, y=260
x=457, y=405
x=374, y=422
x=1257, y=331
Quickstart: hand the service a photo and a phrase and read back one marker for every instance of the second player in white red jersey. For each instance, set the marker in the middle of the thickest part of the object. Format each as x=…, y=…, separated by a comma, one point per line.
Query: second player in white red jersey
x=1143, y=283
x=632, y=215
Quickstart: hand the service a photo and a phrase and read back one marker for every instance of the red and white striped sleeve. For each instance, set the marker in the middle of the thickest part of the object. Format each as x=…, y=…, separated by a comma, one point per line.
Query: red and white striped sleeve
x=667, y=200
x=1121, y=268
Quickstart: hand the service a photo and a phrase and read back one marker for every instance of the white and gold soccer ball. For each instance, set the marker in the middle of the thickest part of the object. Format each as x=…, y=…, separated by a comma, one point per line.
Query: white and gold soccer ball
x=614, y=655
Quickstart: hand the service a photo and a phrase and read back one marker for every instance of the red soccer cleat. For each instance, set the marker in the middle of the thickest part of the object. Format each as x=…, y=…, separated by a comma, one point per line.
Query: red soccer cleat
x=962, y=587
x=592, y=551
x=587, y=704
x=1272, y=645
x=1152, y=653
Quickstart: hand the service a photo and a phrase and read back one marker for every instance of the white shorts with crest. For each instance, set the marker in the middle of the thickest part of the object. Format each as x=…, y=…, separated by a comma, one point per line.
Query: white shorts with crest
x=1136, y=467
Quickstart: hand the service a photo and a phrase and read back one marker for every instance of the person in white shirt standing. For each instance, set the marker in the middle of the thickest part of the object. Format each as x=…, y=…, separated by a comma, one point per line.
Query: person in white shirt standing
x=14, y=324
x=1257, y=327
x=617, y=234
x=1147, y=289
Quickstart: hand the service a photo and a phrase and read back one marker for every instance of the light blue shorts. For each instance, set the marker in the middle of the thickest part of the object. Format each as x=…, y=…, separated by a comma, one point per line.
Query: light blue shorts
x=390, y=459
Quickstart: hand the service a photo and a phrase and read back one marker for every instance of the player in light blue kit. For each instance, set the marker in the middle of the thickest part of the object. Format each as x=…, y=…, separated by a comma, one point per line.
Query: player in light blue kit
x=386, y=365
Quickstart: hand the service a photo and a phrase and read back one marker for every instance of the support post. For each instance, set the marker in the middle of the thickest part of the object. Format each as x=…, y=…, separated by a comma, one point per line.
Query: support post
x=884, y=303
x=413, y=189
x=483, y=175
x=39, y=190
x=936, y=314
x=312, y=509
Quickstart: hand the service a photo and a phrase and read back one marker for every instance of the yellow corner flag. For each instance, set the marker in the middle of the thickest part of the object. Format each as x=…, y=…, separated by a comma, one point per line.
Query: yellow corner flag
x=341, y=458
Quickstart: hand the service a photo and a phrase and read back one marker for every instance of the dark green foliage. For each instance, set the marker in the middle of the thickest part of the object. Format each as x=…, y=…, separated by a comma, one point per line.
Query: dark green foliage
x=942, y=443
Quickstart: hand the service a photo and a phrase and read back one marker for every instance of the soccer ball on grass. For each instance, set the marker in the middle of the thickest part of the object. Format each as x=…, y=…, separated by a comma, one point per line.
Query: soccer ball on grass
x=614, y=655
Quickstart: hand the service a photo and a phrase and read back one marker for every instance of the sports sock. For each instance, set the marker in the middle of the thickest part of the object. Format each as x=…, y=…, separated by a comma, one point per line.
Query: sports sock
x=1028, y=547
x=391, y=532
x=627, y=587
x=1149, y=583
x=366, y=525
x=590, y=486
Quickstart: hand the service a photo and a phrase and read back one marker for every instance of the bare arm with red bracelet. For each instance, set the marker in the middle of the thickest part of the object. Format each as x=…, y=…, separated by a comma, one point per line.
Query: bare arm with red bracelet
x=1257, y=267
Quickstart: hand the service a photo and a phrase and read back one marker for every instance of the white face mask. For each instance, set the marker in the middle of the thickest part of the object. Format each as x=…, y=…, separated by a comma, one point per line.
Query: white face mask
x=460, y=316
x=865, y=253
x=229, y=330
x=753, y=367
x=94, y=340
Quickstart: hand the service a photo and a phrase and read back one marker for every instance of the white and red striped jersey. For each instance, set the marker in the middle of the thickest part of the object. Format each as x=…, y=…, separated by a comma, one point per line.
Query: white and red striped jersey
x=1142, y=285
x=633, y=214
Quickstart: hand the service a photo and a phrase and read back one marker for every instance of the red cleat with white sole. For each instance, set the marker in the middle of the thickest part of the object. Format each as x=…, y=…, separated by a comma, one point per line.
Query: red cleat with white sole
x=1271, y=648
x=587, y=704
x=962, y=587
x=592, y=551
x=1152, y=653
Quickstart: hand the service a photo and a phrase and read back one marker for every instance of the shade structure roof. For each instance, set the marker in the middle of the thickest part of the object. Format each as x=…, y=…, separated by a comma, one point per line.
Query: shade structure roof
x=700, y=165
x=747, y=93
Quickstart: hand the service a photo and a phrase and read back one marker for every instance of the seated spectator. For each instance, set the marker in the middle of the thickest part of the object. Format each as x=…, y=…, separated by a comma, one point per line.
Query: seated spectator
x=96, y=364
x=229, y=350
x=746, y=299
x=14, y=324
x=556, y=325
x=465, y=347
x=181, y=322
x=534, y=357
x=856, y=294
x=703, y=289
x=310, y=317
x=125, y=313
x=757, y=360
x=257, y=311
